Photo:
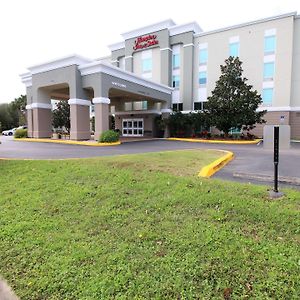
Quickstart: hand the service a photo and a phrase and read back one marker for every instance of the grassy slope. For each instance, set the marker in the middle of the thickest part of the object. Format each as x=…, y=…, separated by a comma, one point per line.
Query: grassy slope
x=120, y=228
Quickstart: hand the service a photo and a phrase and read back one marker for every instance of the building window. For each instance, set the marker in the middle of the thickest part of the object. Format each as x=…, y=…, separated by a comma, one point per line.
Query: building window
x=203, y=55
x=145, y=105
x=128, y=106
x=147, y=65
x=199, y=105
x=176, y=81
x=270, y=44
x=122, y=63
x=234, y=49
x=177, y=107
x=267, y=96
x=269, y=70
x=176, y=61
x=234, y=130
x=202, y=78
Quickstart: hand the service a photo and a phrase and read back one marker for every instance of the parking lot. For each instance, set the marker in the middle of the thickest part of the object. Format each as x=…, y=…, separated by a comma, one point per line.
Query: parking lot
x=252, y=163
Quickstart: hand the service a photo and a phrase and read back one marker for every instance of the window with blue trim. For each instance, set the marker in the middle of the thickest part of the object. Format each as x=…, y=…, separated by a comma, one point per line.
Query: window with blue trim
x=147, y=65
x=203, y=55
x=270, y=44
x=176, y=61
x=267, y=96
x=202, y=78
x=176, y=81
x=234, y=49
x=269, y=70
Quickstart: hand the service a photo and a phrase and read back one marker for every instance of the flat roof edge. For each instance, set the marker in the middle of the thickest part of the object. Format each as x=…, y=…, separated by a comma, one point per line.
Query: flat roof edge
x=291, y=14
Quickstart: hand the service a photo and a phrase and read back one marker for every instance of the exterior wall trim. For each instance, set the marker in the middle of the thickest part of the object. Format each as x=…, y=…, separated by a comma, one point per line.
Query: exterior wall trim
x=137, y=112
x=41, y=105
x=150, y=28
x=279, y=108
x=101, y=100
x=188, y=45
x=26, y=78
x=28, y=106
x=166, y=110
x=116, y=46
x=178, y=29
x=163, y=49
x=59, y=63
x=75, y=101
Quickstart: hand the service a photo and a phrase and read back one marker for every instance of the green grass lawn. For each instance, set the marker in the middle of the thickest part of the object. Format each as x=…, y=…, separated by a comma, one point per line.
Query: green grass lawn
x=144, y=227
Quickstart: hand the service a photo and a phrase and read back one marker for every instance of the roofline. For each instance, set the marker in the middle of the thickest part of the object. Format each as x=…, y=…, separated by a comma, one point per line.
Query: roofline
x=166, y=24
x=116, y=46
x=101, y=67
x=64, y=61
x=291, y=14
x=187, y=27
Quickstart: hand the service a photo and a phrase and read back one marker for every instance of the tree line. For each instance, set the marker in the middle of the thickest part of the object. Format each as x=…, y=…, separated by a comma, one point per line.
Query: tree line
x=13, y=114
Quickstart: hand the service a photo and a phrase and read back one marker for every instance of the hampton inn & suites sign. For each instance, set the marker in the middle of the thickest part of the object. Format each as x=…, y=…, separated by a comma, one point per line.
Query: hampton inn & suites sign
x=145, y=41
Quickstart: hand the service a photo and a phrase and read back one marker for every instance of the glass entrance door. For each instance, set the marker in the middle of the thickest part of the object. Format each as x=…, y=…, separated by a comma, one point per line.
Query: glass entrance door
x=133, y=127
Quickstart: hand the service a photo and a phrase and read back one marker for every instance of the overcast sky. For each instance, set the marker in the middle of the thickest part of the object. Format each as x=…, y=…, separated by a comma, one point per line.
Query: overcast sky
x=35, y=31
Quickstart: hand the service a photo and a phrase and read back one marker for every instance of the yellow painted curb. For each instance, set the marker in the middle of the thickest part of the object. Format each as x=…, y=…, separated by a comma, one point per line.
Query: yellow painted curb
x=91, y=144
x=215, y=141
x=215, y=166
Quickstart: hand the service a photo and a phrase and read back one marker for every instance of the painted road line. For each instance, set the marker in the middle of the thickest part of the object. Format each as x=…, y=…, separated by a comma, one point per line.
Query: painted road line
x=215, y=141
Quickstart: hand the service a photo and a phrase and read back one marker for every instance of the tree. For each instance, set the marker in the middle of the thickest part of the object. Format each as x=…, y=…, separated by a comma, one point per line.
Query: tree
x=233, y=102
x=13, y=114
x=18, y=110
x=61, y=115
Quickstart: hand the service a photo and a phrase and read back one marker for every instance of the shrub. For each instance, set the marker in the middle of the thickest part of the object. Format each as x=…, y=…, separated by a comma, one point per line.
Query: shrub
x=109, y=136
x=20, y=133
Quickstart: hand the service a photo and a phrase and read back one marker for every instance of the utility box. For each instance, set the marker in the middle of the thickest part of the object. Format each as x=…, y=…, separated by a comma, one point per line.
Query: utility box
x=284, y=136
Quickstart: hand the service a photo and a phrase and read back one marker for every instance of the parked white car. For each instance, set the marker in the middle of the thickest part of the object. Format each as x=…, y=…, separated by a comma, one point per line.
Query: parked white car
x=9, y=132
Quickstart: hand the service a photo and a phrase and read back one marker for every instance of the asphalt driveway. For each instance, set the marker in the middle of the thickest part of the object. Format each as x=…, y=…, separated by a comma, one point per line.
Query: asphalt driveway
x=252, y=163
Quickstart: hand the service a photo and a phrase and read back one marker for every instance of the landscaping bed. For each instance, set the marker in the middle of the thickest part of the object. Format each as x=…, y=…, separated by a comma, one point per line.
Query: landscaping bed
x=144, y=227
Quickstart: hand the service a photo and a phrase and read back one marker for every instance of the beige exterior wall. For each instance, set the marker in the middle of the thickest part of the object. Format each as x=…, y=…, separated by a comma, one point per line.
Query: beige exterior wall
x=251, y=41
x=137, y=64
x=295, y=124
x=272, y=118
x=295, y=97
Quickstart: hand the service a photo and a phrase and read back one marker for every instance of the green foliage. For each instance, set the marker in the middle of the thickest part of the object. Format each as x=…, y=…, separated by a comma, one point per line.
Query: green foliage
x=130, y=227
x=20, y=133
x=61, y=116
x=182, y=125
x=109, y=136
x=13, y=114
x=233, y=102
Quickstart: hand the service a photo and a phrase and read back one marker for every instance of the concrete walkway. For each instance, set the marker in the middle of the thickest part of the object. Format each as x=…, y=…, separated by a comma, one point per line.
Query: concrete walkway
x=250, y=164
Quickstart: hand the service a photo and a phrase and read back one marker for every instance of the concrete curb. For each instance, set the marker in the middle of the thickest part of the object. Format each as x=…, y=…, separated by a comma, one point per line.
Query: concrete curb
x=90, y=144
x=216, y=165
x=215, y=141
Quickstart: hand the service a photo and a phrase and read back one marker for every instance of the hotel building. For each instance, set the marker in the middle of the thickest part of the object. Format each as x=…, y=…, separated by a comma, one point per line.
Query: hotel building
x=164, y=67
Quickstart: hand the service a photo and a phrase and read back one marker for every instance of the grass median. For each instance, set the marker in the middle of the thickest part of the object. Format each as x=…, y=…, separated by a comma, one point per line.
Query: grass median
x=144, y=227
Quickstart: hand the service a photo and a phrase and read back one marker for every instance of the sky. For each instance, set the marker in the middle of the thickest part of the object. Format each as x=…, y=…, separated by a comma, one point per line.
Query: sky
x=36, y=31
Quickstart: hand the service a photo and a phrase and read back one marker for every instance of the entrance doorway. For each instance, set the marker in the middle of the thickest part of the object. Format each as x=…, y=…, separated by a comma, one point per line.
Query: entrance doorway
x=133, y=127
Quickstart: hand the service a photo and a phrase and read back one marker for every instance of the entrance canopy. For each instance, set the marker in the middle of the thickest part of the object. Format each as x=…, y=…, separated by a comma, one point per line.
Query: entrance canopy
x=84, y=82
